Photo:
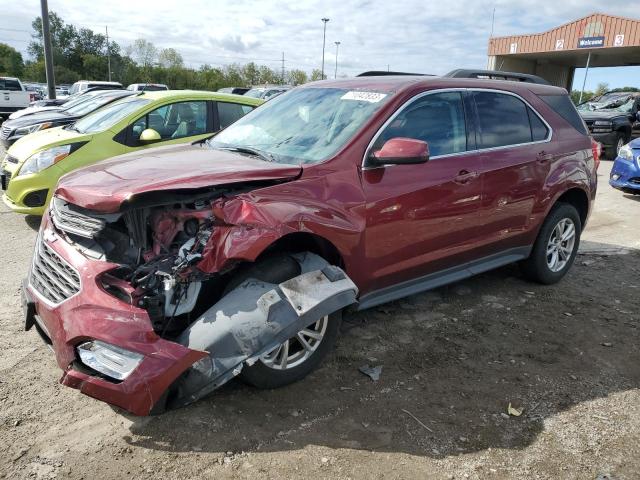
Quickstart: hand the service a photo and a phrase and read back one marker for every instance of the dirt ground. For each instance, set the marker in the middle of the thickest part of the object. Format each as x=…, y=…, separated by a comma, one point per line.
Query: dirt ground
x=453, y=359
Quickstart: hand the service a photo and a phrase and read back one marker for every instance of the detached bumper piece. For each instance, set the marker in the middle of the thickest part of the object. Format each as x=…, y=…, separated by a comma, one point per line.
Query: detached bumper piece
x=253, y=319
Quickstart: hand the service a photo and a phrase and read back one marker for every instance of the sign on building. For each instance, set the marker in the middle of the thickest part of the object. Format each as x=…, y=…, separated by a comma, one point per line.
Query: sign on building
x=591, y=42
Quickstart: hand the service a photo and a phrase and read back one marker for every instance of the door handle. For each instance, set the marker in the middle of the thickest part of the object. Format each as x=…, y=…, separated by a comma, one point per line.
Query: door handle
x=465, y=176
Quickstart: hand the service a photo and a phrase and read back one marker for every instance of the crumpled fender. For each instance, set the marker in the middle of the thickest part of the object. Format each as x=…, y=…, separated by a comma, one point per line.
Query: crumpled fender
x=254, y=318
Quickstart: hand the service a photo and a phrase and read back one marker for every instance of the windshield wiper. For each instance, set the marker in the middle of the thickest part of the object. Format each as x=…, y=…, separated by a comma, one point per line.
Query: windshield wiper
x=267, y=157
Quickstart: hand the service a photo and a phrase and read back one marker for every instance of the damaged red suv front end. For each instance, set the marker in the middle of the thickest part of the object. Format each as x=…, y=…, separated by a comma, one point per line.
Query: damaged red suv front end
x=123, y=268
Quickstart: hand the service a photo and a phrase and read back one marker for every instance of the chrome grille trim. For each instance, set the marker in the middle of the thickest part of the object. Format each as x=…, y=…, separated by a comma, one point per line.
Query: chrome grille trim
x=69, y=221
x=51, y=276
x=5, y=131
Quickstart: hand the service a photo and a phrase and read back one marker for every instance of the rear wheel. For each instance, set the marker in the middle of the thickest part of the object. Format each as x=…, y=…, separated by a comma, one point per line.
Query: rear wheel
x=298, y=356
x=556, y=246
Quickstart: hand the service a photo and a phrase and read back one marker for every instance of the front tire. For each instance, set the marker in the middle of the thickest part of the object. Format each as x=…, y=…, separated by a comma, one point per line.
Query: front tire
x=298, y=356
x=556, y=247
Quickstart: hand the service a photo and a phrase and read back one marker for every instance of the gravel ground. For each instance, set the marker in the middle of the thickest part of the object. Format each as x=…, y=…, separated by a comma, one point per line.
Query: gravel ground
x=452, y=361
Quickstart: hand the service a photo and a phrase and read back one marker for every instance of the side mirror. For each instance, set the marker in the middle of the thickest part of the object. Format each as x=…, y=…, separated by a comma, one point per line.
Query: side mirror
x=401, y=151
x=149, y=136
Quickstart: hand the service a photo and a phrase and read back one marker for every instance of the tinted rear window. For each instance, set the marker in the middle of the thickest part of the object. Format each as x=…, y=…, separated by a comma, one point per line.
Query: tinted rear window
x=6, y=84
x=564, y=107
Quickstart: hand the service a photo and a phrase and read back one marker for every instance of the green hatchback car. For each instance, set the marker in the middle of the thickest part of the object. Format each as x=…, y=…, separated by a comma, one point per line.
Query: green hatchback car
x=34, y=164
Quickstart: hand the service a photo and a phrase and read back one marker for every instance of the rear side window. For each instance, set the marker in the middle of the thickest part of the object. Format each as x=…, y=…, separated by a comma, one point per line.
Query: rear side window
x=12, y=85
x=228, y=113
x=563, y=106
x=539, y=130
x=504, y=120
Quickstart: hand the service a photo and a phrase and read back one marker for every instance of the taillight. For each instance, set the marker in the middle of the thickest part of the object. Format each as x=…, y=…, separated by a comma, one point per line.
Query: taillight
x=596, y=148
x=32, y=97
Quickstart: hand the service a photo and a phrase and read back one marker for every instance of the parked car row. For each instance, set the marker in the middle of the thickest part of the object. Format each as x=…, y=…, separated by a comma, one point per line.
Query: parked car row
x=188, y=237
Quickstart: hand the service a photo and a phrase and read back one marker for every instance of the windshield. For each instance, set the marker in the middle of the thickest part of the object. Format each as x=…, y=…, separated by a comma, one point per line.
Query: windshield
x=254, y=93
x=88, y=106
x=303, y=126
x=110, y=115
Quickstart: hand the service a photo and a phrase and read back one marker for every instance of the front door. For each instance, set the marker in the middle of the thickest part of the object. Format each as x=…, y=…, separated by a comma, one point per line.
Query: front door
x=423, y=218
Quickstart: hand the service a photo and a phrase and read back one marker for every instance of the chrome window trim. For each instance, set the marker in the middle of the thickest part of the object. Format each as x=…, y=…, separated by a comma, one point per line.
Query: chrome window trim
x=417, y=97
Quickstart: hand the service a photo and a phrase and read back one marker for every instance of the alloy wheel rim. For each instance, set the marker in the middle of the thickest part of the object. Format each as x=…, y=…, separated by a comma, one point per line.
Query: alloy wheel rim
x=560, y=245
x=295, y=351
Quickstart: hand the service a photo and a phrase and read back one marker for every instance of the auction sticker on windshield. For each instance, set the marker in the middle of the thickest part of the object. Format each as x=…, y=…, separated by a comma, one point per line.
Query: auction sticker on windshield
x=372, y=97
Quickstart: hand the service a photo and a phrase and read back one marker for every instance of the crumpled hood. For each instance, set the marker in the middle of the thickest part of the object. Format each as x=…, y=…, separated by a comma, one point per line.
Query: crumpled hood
x=106, y=185
x=601, y=115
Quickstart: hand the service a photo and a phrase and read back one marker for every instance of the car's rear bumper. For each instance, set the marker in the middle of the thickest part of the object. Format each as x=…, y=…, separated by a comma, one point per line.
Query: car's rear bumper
x=93, y=314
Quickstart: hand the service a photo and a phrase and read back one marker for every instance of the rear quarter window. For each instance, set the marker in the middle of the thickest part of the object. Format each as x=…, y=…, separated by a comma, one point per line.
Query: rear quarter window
x=563, y=106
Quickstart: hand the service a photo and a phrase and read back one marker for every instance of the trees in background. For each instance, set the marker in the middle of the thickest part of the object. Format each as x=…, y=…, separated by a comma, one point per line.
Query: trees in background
x=81, y=54
x=11, y=63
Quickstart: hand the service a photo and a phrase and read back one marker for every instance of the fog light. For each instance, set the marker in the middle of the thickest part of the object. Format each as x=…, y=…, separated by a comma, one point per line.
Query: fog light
x=112, y=361
x=615, y=176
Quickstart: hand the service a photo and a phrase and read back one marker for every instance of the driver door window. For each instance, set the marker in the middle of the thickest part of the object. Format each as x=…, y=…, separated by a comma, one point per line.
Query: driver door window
x=437, y=119
x=176, y=120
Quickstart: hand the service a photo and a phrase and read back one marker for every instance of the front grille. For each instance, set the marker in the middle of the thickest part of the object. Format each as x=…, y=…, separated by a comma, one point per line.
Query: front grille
x=69, y=220
x=52, y=276
x=635, y=180
x=5, y=131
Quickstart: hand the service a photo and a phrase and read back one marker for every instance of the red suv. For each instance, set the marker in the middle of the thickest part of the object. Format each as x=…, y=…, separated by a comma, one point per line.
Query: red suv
x=159, y=276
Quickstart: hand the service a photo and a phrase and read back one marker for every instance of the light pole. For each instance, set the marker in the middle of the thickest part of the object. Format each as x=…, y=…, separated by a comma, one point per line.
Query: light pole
x=324, y=37
x=335, y=75
x=48, y=55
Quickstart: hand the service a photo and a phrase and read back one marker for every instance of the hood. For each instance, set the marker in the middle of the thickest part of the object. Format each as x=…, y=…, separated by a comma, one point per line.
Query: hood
x=54, y=115
x=29, y=144
x=635, y=143
x=31, y=111
x=601, y=115
x=106, y=185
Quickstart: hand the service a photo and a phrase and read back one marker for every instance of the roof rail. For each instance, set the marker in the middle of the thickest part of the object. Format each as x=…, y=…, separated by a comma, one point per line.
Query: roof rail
x=496, y=75
x=385, y=73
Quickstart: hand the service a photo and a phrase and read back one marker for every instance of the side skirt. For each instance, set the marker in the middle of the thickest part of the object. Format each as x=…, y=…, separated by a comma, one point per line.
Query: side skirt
x=443, y=277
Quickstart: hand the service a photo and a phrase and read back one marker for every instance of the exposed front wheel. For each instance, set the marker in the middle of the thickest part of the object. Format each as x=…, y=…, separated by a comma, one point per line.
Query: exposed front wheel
x=556, y=246
x=295, y=358
x=300, y=355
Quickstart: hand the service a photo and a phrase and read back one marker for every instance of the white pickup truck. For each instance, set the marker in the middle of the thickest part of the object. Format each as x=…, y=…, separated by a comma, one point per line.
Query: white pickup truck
x=13, y=96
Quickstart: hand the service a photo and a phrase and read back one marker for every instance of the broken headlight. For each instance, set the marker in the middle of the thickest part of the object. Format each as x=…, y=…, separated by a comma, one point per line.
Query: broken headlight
x=112, y=361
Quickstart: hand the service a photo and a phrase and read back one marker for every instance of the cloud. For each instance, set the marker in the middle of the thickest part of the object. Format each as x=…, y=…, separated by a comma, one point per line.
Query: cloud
x=413, y=35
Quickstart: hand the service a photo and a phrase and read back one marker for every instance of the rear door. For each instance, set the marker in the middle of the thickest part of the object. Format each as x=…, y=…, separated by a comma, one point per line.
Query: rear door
x=514, y=141
x=423, y=218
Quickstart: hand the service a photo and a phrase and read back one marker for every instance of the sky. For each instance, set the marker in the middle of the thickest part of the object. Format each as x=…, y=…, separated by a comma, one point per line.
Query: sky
x=411, y=35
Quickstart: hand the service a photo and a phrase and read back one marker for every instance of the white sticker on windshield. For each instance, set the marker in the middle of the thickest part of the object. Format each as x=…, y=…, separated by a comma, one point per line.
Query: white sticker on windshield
x=372, y=97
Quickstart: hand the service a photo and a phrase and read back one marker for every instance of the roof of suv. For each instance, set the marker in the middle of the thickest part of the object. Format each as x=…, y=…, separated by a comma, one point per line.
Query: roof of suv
x=394, y=84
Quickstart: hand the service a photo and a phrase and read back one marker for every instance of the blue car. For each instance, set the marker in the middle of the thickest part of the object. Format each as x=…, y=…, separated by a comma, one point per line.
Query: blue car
x=625, y=174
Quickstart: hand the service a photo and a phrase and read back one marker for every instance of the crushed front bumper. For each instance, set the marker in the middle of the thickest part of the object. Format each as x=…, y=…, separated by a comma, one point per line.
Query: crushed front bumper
x=93, y=314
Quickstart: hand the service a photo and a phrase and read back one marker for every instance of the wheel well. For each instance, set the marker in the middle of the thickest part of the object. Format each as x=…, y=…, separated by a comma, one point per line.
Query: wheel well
x=578, y=198
x=306, y=242
x=626, y=130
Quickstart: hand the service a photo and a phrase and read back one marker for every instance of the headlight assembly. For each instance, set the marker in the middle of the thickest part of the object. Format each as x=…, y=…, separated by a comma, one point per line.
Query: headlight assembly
x=41, y=160
x=33, y=128
x=626, y=153
x=110, y=360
